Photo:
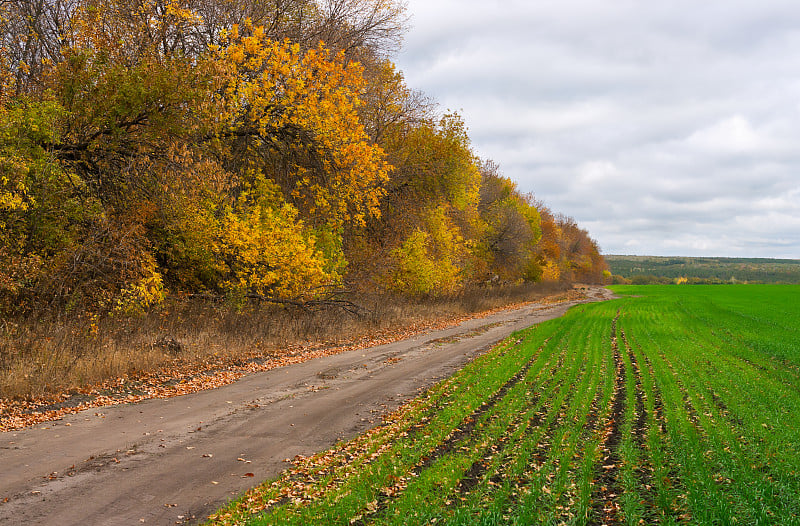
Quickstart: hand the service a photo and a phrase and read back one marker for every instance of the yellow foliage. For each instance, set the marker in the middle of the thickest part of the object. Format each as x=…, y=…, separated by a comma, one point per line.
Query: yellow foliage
x=416, y=272
x=145, y=292
x=439, y=164
x=431, y=260
x=267, y=251
x=308, y=101
x=551, y=272
x=139, y=158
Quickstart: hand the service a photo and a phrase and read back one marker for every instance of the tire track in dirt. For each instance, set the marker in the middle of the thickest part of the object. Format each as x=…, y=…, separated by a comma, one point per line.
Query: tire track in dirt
x=607, y=486
x=640, y=423
x=644, y=470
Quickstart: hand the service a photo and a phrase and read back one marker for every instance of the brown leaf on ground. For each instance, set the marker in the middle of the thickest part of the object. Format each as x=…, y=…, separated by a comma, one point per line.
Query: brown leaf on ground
x=185, y=378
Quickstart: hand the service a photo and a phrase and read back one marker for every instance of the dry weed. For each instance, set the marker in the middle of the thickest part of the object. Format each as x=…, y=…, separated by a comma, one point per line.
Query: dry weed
x=46, y=355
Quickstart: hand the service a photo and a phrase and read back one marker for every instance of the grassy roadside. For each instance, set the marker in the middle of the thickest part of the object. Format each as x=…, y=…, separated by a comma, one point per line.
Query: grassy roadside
x=52, y=367
x=678, y=406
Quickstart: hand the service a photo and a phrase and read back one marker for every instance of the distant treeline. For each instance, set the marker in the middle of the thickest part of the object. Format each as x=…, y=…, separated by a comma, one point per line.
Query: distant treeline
x=702, y=270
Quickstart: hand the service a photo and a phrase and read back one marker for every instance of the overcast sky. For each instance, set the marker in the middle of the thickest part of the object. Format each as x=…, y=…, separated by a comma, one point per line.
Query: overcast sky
x=663, y=128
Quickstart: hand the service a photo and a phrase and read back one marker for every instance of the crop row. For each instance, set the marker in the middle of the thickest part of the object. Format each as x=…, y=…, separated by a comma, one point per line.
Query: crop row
x=638, y=411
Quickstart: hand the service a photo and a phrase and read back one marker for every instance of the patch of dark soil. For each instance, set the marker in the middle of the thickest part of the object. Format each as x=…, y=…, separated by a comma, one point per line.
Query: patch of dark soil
x=643, y=472
x=691, y=411
x=71, y=400
x=640, y=425
x=465, y=335
x=444, y=341
x=329, y=374
x=723, y=409
x=607, y=487
x=462, y=431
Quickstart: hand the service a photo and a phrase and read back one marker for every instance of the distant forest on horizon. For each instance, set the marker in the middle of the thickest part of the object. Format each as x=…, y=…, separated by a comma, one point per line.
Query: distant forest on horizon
x=671, y=269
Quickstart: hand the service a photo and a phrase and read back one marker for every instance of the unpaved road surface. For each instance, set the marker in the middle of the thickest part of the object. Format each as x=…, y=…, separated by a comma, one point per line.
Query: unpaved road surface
x=177, y=460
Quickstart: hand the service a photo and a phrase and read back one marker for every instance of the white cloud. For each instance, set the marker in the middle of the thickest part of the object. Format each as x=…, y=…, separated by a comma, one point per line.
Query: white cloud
x=732, y=135
x=787, y=203
x=598, y=173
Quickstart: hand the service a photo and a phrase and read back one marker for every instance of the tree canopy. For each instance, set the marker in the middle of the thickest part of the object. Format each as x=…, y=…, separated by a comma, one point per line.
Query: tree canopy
x=238, y=147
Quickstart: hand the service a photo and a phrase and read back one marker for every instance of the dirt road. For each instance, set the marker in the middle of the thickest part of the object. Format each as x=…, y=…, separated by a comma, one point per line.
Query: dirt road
x=177, y=460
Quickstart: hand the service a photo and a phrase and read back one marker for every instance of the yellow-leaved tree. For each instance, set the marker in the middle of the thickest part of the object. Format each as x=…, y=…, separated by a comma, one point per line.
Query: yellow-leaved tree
x=295, y=113
x=290, y=132
x=148, y=162
x=431, y=210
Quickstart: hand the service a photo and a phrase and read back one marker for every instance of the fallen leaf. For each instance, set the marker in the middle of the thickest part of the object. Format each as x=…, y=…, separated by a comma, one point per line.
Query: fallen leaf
x=249, y=475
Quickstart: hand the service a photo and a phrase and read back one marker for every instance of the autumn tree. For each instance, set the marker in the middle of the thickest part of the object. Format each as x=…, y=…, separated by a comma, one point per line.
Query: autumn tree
x=581, y=253
x=566, y=252
x=233, y=170
x=425, y=237
x=243, y=148
x=512, y=227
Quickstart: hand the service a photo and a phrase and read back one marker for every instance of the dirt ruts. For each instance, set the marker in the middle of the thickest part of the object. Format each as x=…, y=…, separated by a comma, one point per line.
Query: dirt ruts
x=607, y=486
x=176, y=460
x=480, y=466
x=461, y=432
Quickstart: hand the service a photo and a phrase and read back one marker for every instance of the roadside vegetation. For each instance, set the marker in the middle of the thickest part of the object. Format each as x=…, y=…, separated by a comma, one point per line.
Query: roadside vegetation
x=184, y=347
x=164, y=163
x=671, y=405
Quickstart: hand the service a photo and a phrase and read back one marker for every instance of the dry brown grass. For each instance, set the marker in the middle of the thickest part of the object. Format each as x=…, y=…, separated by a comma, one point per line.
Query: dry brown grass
x=48, y=355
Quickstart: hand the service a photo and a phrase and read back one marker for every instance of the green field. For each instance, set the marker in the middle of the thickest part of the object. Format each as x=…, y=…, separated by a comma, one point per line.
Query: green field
x=672, y=405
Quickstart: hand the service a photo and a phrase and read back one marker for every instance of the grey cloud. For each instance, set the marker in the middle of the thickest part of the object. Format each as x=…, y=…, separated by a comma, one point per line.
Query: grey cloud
x=663, y=128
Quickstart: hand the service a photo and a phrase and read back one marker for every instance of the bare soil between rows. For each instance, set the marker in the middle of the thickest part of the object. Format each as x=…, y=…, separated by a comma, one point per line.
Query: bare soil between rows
x=176, y=460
